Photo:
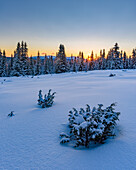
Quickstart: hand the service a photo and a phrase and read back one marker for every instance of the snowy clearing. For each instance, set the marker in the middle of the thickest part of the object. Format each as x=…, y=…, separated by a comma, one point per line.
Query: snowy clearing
x=30, y=139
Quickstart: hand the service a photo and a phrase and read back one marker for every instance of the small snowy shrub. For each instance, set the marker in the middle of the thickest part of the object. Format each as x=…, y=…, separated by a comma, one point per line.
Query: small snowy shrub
x=112, y=75
x=90, y=125
x=47, y=101
x=11, y=114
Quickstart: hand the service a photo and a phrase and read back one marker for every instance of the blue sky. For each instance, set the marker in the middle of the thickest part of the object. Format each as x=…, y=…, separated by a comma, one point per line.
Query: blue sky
x=78, y=24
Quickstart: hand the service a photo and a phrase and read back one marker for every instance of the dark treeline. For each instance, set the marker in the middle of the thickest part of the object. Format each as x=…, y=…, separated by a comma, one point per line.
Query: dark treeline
x=21, y=64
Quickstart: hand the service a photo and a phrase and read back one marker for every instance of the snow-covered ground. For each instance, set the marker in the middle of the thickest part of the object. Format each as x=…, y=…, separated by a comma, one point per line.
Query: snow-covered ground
x=30, y=139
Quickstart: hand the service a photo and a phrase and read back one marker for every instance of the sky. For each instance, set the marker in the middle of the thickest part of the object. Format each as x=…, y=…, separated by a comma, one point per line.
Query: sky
x=81, y=25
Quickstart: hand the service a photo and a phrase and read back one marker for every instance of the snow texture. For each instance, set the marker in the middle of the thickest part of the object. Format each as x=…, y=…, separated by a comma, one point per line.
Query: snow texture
x=30, y=139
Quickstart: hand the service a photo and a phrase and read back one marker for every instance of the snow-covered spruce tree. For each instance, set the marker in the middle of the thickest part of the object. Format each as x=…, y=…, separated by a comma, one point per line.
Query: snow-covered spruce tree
x=102, y=60
x=38, y=65
x=74, y=69
x=134, y=58
x=10, y=65
x=125, y=62
x=1, y=58
x=70, y=63
x=3, y=66
x=110, y=60
x=88, y=125
x=46, y=65
x=91, y=64
x=60, y=61
x=117, y=60
x=51, y=64
x=82, y=65
x=23, y=58
x=121, y=59
x=48, y=99
x=31, y=66
x=16, y=69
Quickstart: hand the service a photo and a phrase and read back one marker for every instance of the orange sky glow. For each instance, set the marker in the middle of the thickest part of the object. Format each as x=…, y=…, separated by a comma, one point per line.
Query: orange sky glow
x=32, y=51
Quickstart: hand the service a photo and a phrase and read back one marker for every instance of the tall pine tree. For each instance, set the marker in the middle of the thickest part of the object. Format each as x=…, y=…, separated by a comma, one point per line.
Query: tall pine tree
x=60, y=61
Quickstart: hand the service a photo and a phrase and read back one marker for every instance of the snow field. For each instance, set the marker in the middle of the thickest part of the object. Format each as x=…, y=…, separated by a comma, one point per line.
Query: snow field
x=30, y=139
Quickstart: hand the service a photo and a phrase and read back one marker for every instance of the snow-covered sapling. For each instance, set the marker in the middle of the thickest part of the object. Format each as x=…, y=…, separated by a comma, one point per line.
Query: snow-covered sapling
x=48, y=99
x=11, y=114
x=90, y=125
x=112, y=75
x=40, y=100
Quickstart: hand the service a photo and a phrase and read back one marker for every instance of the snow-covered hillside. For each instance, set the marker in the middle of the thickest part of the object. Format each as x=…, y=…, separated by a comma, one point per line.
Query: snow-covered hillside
x=30, y=139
